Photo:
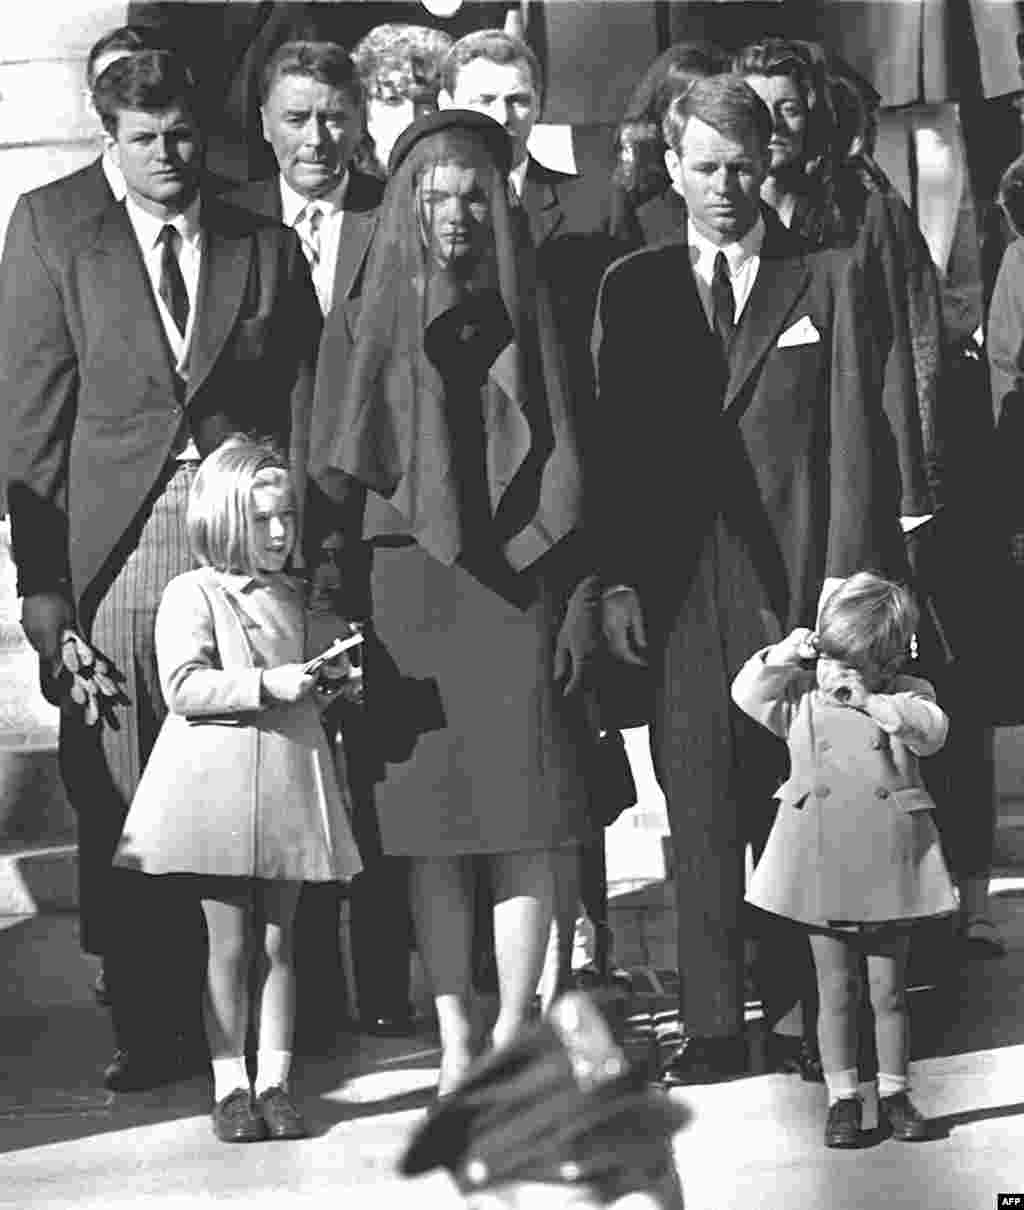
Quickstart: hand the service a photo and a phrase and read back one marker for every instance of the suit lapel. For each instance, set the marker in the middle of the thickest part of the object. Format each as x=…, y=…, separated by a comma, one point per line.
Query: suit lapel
x=357, y=228
x=92, y=189
x=222, y=279
x=777, y=289
x=356, y=232
x=118, y=261
x=541, y=203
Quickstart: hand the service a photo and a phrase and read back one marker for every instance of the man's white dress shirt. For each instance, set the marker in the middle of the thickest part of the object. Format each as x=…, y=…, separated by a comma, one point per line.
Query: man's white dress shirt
x=148, y=229
x=295, y=212
x=743, y=257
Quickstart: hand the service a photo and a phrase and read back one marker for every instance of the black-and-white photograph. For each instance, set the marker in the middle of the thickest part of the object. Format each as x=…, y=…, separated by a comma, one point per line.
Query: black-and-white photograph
x=512, y=604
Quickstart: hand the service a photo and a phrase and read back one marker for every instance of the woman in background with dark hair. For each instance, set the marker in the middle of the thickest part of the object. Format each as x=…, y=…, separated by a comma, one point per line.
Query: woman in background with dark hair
x=826, y=187
x=644, y=207
x=399, y=67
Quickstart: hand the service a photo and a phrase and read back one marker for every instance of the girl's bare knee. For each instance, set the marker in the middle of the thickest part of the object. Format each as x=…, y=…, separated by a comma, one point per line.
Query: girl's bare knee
x=887, y=1000
x=839, y=991
x=277, y=948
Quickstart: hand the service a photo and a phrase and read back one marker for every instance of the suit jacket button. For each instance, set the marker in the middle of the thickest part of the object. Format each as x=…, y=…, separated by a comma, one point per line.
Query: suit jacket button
x=822, y=791
x=878, y=742
x=881, y=792
x=824, y=745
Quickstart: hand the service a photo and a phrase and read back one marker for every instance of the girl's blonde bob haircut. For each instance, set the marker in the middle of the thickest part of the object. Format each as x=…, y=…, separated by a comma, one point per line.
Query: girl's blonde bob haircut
x=868, y=619
x=219, y=517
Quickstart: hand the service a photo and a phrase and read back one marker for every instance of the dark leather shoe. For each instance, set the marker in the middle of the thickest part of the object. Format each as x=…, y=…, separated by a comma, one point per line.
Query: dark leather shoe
x=794, y=1056
x=139, y=1070
x=842, y=1126
x=904, y=1118
x=235, y=1120
x=282, y=1118
x=386, y=1026
x=704, y=1061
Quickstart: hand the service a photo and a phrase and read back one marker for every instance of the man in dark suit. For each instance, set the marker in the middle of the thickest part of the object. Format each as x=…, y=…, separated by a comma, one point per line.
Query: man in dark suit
x=38, y=229
x=43, y=217
x=737, y=388
x=498, y=74
x=312, y=115
x=174, y=320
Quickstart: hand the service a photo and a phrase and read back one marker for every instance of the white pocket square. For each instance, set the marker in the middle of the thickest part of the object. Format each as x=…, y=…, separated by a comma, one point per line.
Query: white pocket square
x=803, y=332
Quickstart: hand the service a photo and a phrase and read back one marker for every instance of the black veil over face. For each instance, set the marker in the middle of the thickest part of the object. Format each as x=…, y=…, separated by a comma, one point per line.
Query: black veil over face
x=448, y=342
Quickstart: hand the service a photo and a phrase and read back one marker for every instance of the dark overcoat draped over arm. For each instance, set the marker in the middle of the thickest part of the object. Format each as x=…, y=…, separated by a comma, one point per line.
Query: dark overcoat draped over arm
x=904, y=298
x=860, y=209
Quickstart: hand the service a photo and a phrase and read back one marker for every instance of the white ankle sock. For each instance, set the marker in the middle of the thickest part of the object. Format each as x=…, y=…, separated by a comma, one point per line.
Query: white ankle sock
x=272, y=1068
x=228, y=1074
x=888, y=1085
x=841, y=1084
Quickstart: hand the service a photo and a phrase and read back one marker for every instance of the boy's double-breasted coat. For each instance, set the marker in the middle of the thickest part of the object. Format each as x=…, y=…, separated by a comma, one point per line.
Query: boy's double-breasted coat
x=853, y=840
x=233, y=787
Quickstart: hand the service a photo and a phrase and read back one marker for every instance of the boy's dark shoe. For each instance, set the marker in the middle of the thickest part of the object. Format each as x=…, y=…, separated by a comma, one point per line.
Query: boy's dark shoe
x=842, y=1126
x=282, y=1119
x=905, y=1120
x=235, y=1121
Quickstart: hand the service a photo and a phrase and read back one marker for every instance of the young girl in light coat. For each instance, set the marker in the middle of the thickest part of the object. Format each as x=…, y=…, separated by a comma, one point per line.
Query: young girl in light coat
x=853, y=853
x=240, y=790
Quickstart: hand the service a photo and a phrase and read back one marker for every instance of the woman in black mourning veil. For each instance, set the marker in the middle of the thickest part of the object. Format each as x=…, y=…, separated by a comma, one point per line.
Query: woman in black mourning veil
x=449, y=413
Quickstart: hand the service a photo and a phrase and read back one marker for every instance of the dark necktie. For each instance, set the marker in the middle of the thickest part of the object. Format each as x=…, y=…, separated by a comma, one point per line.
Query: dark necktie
x=172, y=284
x=723, y=302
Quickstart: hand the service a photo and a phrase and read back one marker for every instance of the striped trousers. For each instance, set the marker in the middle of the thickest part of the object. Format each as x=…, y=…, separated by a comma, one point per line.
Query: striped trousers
x=147, y=930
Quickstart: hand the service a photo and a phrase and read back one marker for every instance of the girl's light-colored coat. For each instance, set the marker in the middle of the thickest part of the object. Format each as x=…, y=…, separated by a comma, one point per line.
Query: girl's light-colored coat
x=233, y=787
x=853, y=840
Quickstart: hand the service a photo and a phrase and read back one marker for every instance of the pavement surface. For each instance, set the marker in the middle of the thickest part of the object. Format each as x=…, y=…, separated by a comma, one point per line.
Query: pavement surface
x=751, y=1143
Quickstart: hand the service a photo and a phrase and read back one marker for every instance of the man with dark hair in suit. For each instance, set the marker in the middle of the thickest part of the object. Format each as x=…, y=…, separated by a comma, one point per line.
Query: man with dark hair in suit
x=172, y=321
x=38, y=228
x=736, y=388
x=312, y=114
